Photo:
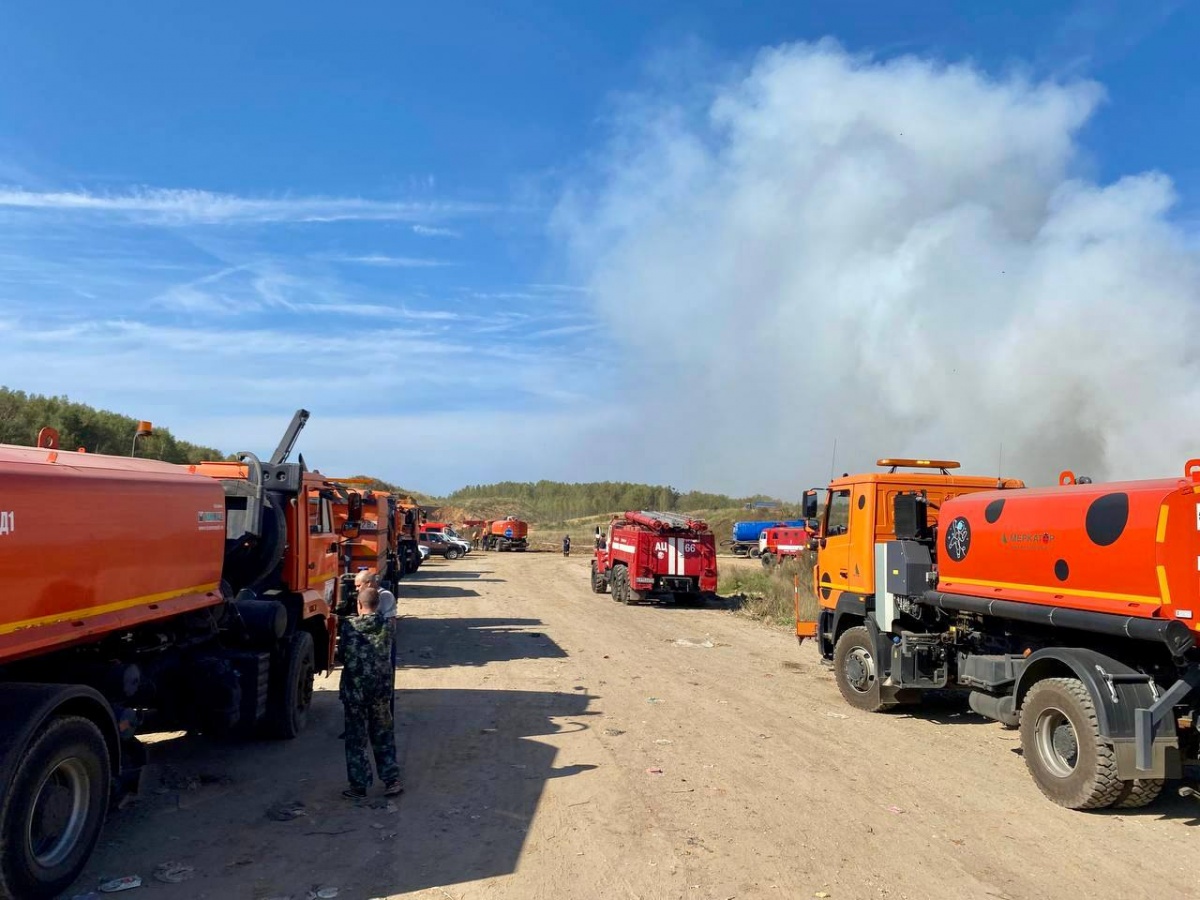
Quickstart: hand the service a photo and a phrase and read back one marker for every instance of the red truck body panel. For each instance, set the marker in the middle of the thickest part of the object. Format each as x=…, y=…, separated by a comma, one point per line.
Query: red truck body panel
x=786, y=541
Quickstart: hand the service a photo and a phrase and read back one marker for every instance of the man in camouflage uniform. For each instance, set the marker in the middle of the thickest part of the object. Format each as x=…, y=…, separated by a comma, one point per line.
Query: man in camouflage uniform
x=366, y=689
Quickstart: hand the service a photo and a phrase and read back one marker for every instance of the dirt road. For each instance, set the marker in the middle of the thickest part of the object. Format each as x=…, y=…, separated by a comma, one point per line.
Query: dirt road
x=558, y=745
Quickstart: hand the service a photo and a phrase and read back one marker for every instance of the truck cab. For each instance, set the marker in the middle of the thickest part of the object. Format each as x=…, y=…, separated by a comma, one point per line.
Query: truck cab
x=858, y=516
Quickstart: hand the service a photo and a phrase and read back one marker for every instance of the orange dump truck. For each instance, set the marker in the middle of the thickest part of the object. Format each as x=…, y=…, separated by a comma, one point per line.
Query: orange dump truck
x=1070, y=612
x=141, y=595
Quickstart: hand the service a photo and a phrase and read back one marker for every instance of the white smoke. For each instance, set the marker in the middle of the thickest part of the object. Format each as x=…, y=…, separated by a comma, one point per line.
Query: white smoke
x=902, y=255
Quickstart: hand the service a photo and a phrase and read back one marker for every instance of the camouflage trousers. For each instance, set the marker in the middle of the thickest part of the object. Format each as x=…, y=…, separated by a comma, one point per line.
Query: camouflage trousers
x=369, y=727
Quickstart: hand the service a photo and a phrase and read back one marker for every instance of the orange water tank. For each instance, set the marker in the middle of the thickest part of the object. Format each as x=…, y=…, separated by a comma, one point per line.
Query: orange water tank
x=514, y=529
x=91, y=544
x=1131, y=548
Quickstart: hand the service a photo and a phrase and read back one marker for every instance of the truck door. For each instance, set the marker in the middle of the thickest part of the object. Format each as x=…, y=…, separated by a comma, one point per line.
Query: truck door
x=834, y=556
x=322, y=542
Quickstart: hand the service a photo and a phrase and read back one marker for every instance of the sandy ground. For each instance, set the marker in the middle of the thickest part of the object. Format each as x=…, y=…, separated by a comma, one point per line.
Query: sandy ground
x=558, y=745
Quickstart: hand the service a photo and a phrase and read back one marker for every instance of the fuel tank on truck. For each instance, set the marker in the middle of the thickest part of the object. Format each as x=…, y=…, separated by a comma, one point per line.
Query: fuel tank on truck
x=91, y=544
x=1131, y=548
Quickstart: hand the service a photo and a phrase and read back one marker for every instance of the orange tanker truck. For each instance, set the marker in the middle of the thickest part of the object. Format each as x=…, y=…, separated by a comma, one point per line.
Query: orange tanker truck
x=141, y=595
x=1069, y=612
x=505, y=534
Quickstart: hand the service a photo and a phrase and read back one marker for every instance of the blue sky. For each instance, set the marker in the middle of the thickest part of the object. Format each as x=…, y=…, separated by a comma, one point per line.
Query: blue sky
x=211, y=214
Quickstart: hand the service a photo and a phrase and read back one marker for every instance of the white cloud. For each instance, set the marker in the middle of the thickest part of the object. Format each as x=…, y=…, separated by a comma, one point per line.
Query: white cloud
x=432, y=231
x=196, y=207
x=398, y=262
x=897, y=254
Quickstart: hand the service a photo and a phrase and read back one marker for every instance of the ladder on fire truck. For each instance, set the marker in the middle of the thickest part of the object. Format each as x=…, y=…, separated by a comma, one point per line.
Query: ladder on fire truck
x=662, y=521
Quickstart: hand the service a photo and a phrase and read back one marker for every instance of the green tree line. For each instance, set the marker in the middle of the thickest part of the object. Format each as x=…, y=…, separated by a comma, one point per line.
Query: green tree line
x=97, y=431
x=556, y=500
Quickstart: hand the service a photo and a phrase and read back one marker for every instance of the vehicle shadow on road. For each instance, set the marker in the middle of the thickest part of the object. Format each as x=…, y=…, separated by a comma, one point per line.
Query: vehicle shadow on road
x=408, y=592
x=451, y=575
x=436, y=643
x=473, y=781
x=948, y=707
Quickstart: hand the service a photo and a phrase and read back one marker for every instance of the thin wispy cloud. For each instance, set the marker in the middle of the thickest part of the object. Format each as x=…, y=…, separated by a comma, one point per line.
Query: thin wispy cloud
x=395, y=262
x=435, y=231
x=198, y=207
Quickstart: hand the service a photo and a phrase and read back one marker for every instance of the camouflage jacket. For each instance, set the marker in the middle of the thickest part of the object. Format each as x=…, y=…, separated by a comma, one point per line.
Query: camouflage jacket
x=367, y=673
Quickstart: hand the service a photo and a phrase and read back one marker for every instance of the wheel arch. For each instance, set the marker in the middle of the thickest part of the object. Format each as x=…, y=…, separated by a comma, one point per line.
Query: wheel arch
x=850, y=611
x=25, y=708
x=1115, y=702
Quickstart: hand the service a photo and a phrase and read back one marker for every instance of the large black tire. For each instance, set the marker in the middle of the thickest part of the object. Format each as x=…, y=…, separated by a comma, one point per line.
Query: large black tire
x=856, y=671
x=1138, y=793
x=452, y=553
x=292, y=688
x=767, y=560
x=620, y=584
x=1060, y=739
x=599, y=585
x=52, y=812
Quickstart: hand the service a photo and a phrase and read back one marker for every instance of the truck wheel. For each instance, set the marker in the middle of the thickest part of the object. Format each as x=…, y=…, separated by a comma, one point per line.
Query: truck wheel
x=1138, y=793
x=620, y=584
x=856, y=672
x=291, y=694
x=599, y=585
x=754, y=553
x=767, y=560
x=1060, y=739
x=452, y=553
x=51, y=817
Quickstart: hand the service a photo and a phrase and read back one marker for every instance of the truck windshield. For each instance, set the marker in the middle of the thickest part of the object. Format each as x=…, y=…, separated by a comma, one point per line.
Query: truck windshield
x=837, y=515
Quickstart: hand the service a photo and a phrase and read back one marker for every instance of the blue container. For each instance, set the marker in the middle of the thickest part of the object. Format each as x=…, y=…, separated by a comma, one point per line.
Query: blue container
x=749, y=532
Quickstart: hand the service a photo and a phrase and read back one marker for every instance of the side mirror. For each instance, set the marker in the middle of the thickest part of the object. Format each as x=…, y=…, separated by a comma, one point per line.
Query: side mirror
x=809, y=508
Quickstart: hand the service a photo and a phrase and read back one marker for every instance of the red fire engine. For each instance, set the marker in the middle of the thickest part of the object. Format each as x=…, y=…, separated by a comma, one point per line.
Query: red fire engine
x=776, y=544
x=655, y=554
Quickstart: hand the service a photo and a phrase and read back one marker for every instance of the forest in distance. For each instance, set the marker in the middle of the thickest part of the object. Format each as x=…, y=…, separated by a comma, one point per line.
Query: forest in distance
x=22, y=415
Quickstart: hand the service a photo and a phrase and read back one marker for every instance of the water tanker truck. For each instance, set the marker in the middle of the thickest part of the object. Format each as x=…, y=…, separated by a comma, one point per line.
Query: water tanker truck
x=141, y=595
x=505, y=534
x=1070, y=613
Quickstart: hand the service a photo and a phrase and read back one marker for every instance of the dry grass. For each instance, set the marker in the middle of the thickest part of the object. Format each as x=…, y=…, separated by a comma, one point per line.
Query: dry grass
x=771, y=595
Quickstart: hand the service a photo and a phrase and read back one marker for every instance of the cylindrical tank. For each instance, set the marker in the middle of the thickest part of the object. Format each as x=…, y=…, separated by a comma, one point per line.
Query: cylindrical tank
x=749, y=532
x=91, y=544
x=514, y=529
x=1129, y=548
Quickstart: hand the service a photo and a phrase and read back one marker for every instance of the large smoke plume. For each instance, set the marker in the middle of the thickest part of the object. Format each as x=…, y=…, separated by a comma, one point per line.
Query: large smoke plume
x=904, y=256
